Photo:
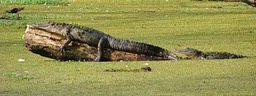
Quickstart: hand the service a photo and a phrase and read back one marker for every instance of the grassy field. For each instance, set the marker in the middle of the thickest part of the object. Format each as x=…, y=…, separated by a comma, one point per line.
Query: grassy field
x=172, y=24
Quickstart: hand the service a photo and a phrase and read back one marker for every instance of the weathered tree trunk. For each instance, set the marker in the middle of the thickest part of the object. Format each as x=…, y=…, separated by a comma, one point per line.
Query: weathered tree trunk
x=47, y=44
x=233, y=0
x=249, y=2
x=246, y=1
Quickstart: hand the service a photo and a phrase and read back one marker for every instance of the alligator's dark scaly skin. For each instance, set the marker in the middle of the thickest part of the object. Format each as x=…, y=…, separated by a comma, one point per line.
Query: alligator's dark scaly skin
x=101, y=40
x=194, y=53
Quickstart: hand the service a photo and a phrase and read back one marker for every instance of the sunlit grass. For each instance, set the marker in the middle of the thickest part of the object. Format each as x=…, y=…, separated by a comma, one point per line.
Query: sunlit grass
x=32, y=2
x=172, y=24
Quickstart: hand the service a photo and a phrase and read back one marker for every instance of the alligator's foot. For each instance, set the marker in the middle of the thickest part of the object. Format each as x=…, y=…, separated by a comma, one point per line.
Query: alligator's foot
x=62, y=50
x=63, y=47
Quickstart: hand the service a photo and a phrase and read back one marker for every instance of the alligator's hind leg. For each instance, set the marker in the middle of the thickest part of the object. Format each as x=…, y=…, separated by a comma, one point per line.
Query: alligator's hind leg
x=103, y=43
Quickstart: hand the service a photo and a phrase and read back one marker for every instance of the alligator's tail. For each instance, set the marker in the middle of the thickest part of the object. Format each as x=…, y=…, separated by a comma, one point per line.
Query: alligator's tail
x=140, y=48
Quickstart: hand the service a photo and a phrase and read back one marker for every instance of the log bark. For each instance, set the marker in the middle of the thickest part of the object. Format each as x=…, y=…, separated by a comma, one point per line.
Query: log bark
x=250, y=2
x=47, y=44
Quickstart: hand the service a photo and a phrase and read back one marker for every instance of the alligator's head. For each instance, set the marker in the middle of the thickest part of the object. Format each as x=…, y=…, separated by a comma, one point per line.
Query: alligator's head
x=193, y=53
x=58, y=28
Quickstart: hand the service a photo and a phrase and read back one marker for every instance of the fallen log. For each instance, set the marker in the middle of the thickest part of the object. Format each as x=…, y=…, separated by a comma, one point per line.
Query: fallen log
x=48, y=44
x=249, y=2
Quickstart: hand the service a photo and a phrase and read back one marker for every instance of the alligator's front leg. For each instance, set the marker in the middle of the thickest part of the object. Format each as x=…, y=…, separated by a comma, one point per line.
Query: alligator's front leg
x=101, y=45
x=62, y=48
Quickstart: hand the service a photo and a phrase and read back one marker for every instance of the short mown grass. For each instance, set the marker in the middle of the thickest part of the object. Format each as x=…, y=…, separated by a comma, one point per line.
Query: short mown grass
x=171, y=24
x=32, y=2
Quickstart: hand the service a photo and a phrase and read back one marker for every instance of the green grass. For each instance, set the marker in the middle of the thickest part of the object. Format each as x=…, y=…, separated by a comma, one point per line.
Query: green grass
x=32, y=2
x=173, y=25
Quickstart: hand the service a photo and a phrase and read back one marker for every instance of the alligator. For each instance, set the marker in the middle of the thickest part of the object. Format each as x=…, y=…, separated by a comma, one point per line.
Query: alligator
x=194, y=53
x=101, y=40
